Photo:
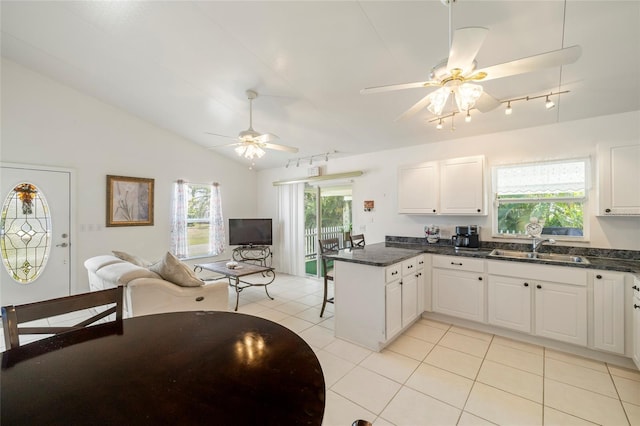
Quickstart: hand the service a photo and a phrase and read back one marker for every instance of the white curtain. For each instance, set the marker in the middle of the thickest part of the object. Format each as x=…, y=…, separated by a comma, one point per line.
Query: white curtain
x=179, y=245
x=545, y=178
x=216, y=228
x=291, y=228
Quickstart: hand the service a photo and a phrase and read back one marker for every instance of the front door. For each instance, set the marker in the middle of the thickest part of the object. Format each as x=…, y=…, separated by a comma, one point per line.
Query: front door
x=34, y=234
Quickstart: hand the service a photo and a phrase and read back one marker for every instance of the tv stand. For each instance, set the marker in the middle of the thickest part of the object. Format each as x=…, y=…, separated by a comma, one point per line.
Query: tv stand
x=258, y=255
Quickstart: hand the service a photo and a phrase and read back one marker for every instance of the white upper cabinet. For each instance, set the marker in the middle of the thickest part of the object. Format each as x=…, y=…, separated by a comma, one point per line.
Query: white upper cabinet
x=619, y=178
x=451, y=187
x=418, y=188
x=462, y=186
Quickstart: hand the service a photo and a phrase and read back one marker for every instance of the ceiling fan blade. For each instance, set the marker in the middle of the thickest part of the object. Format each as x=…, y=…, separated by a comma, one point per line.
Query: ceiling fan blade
x=222, y=136
x=465, y=46
x=278, y=147
x=266, y=137
x=486, y=103
x=226, y=145
x=421, y=104
x=402, y=86
x=554, y=58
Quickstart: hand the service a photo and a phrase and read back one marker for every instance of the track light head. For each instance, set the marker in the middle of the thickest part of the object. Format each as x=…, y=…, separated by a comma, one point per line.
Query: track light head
x=508, y=110
x=467, y=118
x=439, y=125
x=549, y=103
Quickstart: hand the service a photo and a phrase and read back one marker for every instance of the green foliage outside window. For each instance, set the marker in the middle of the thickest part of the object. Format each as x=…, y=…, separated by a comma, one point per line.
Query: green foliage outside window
x=513, y=216
x=333, y=209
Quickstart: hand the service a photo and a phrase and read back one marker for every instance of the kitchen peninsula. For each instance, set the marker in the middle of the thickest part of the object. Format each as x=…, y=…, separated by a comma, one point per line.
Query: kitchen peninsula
x=383, y=288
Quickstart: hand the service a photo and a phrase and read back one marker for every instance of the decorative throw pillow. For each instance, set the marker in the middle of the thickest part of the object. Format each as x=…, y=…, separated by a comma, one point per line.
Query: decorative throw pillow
x=172, y=269
x=132, y=259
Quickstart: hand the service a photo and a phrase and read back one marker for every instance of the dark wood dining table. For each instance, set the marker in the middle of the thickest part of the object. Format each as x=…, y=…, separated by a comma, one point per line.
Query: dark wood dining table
x=217, y=368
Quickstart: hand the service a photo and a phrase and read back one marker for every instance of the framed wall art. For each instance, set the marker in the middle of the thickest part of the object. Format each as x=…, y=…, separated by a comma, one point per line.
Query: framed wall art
x=129, y=201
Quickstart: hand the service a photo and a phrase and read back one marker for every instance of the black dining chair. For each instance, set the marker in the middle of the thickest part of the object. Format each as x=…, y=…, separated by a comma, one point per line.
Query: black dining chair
x=357, y=241
x=327, y=246
x=13, y=315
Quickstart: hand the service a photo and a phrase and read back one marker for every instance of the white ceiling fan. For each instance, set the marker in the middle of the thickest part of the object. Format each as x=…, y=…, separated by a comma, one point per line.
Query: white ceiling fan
x=251, y=144
x=454, y=74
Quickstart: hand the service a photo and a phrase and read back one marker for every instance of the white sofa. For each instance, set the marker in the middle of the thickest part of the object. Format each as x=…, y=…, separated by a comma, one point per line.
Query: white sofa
x=146, y=292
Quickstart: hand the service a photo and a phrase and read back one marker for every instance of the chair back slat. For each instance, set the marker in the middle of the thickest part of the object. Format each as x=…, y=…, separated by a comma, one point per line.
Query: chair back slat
x=14, y=315
x=357, y=240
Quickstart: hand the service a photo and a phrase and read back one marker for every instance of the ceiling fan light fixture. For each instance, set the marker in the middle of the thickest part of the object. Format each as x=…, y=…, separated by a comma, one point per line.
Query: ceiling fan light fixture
x=549, y=103
x=438, y=100
x=240, y=150
x=466, y=95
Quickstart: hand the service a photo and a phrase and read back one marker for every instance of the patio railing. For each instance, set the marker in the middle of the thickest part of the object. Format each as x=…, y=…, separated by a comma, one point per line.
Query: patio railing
x=311, y=238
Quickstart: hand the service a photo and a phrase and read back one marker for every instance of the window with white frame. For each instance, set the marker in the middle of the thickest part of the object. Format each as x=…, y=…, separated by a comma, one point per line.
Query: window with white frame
x=551, y=193
x=197, y=228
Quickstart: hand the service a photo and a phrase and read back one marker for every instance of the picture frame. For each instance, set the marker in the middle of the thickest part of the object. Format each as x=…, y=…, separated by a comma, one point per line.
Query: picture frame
x=129, y=201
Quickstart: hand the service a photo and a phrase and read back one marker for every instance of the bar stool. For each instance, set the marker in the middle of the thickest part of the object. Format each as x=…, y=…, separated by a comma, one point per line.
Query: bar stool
x=327, y=246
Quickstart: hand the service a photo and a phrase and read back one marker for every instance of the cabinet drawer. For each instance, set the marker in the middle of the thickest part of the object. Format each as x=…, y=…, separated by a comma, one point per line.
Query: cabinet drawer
x=393, y=272
x=558, y=274
x=409, y=266
x=459, y=263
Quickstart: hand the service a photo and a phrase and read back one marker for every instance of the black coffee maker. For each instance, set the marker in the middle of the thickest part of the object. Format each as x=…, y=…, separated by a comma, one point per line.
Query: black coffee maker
x=466, y=237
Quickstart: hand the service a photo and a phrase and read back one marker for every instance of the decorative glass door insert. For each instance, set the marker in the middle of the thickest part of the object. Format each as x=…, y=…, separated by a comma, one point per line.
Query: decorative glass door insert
x=25, y=232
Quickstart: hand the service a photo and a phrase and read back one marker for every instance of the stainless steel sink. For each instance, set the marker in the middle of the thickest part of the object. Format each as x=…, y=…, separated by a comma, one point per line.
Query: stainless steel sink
x=550, y=257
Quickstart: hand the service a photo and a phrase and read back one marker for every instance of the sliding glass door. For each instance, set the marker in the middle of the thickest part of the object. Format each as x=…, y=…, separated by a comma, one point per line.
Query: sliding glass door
x=327, y=212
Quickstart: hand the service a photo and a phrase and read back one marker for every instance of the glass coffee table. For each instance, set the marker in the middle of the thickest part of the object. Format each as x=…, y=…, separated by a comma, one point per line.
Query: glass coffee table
x=243, y=269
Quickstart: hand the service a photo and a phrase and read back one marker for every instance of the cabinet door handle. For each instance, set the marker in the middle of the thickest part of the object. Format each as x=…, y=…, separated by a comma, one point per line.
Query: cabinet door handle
x=599, y=276
x=394, y=273
x=400, y=282
x=410, y=266
x=636, y=306
x=636, y=288
x=607, y=210
x=454, y=263
x=434, y=210
x=479, y=210
x=538, y=286
x=479, y=278
x=526, y=284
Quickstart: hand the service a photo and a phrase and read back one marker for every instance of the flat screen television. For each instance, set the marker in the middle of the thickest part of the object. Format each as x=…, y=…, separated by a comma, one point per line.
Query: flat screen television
x=250, y=232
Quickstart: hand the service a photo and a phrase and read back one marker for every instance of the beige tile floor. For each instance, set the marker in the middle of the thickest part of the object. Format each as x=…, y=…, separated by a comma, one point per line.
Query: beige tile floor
x=440, y=374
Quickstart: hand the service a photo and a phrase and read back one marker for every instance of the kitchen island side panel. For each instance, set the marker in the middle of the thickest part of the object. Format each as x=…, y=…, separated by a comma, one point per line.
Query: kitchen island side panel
x=360, y=304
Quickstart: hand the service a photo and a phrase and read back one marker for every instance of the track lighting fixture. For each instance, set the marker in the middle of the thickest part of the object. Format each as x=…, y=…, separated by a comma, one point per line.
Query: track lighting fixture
x=317, y=157
x=508, y=110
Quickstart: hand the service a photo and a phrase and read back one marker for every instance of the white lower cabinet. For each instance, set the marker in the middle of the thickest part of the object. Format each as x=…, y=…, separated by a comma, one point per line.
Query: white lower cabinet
x=561, y=312
x=509, y=303
x=393, y=305
x=557, y=309
x=635, y=304
x=608, y=312
x=458, y=287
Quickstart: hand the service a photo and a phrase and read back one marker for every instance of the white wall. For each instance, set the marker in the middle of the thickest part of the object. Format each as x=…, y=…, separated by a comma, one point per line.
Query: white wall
x=47, y=123
x=575, y=139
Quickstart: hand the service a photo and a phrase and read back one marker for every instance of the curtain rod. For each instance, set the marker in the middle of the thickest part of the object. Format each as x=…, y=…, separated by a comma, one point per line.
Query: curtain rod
x=318, y=178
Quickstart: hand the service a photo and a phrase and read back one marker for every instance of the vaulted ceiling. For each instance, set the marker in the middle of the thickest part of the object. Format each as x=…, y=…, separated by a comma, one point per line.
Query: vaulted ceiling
x=185, y=66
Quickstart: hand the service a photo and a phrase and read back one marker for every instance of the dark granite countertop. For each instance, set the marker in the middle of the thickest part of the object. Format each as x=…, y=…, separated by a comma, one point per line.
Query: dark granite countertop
x=390, y=252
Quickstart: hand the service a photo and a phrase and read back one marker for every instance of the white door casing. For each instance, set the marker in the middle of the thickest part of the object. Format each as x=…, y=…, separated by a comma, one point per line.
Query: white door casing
x=56, y=278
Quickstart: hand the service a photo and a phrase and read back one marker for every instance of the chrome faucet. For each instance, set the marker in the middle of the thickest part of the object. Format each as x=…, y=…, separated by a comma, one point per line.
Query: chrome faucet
x=537, y=242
